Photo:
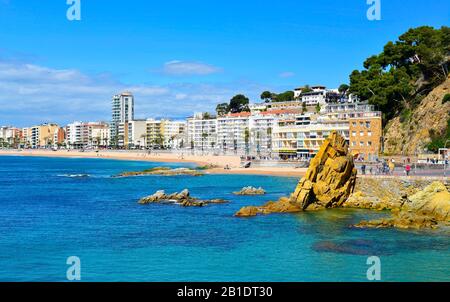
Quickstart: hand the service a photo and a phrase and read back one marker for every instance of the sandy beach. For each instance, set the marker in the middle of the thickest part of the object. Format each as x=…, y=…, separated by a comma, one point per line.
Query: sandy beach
x=220, y=161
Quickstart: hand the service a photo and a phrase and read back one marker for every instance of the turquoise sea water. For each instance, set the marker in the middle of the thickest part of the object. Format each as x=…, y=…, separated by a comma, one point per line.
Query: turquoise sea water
x=47, y=215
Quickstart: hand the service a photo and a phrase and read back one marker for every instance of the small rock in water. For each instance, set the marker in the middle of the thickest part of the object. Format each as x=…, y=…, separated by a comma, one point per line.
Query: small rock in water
x=183, y=199
x=250, y=191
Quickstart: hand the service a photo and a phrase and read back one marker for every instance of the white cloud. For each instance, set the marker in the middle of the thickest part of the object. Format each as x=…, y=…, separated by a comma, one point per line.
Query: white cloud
x=286, y=74
x=181, y=68
x=31, y=94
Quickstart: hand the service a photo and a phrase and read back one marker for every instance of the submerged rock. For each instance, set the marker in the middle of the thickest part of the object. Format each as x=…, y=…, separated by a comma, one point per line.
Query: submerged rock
x=329, y=181
x=183, y=199
x=250, y=191
x=428, y=208
x=163, y=171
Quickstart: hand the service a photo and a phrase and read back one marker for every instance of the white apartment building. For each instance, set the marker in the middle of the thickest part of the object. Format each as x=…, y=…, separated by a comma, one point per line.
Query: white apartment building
x=301, y=136
x=137, y=134
x=174, y=133
x=311, y=137
x=10, y=135
x=100, y=133
x=233, y=132
x=78, y=135
x=201, y=132
x=261, y=129
x=91, y=134
x=316, y=96
x=122, y=112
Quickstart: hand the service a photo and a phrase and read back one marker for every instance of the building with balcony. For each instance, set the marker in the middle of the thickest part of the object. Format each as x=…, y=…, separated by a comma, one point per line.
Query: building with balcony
x=201, y=132
x=122, y=113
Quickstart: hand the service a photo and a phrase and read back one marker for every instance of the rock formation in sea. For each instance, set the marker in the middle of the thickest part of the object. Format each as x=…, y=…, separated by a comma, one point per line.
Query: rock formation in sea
x=331, y=176
x=162, y=171
x=329, y=181
x=183, y=199
x=428, y=208
x=250, y=191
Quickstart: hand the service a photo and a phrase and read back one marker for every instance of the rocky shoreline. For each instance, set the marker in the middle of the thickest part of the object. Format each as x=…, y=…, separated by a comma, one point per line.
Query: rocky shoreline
x=331, y=182
x=427, y=208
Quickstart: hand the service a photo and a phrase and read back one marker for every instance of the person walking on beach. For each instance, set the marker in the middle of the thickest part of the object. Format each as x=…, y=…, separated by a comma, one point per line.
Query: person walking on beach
x=391, y=167
x=407, y=169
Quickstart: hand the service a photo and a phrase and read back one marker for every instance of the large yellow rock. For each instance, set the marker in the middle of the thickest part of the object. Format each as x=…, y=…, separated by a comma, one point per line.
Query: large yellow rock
x=329, y=181
x=331, y=176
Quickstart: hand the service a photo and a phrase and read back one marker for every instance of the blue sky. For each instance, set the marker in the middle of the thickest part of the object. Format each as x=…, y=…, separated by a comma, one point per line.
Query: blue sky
x=179, y=57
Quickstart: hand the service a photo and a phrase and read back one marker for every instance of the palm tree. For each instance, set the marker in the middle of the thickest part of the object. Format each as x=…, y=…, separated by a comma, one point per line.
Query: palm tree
x=144, y=136
x=204, y=136
x=246, y=139
x=269, y=141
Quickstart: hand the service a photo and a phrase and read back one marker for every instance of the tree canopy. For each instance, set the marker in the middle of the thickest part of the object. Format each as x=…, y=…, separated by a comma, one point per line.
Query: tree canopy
x=266, y=96
x=222, y=109
x=407, y=70
x=238, y=103
x=284, y=97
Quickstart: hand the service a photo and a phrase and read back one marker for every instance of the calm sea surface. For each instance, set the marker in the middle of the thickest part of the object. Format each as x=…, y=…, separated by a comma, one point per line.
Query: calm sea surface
x=47, y=215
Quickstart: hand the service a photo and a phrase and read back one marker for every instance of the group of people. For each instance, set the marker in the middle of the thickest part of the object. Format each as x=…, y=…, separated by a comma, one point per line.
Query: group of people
x=384, y=168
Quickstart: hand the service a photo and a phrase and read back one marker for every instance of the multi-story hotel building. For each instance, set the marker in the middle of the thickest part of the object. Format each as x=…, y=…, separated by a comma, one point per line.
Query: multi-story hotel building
x=78, y=135
x=174, y=134
x=366, y=135
x=201, y=132
x=301, y=136
x=233, y=132
x=100, y=134
x=133, y=134
x=41, y=136
x=10, y=135
x=122, y=112
x=81, y=135
x=261, y=129
x=154, y=134
x=59, y=136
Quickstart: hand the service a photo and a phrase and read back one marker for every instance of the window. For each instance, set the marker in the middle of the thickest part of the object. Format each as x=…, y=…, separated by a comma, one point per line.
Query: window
x=369, y=144
x=353, y=133
x=367, y=124
x=361, y=133
x=369, y=133
x=361, y=144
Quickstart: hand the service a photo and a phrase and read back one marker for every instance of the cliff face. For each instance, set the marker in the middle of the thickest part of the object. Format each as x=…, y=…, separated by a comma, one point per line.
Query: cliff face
x=413, y=134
